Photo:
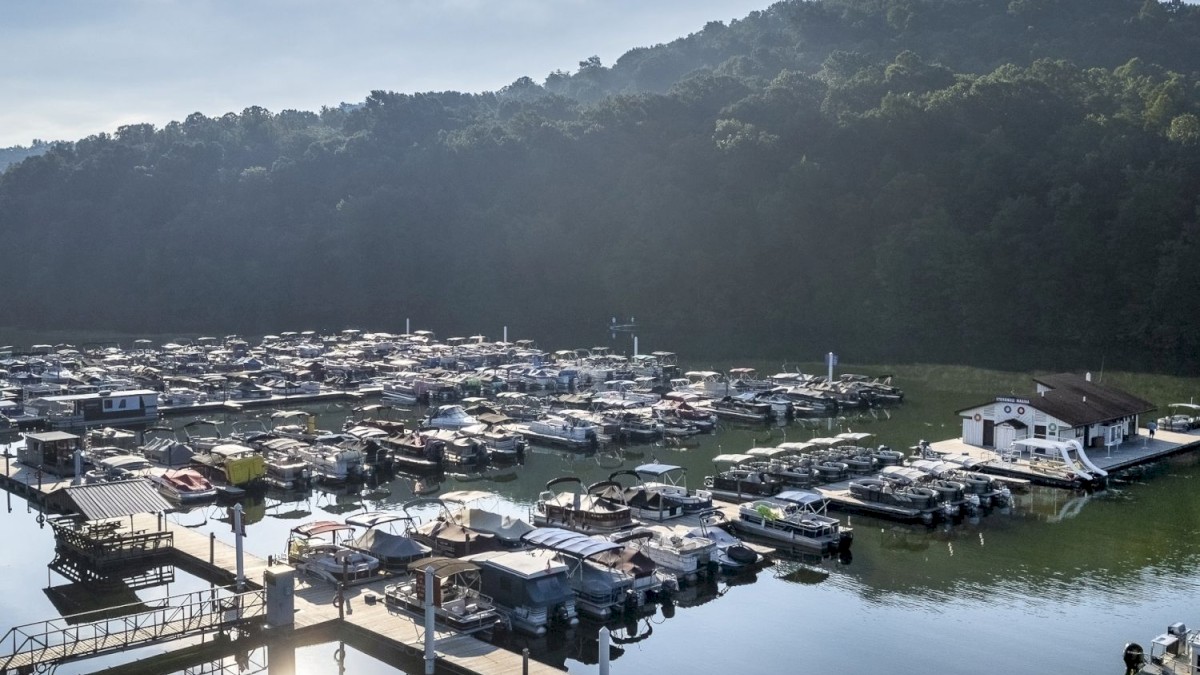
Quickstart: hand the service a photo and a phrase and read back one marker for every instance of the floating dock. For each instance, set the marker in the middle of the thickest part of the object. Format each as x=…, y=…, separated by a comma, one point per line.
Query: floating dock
x=1142, y=449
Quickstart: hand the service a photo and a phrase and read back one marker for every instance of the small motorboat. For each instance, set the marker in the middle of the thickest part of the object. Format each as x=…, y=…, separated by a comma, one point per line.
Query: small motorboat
x=185, y=486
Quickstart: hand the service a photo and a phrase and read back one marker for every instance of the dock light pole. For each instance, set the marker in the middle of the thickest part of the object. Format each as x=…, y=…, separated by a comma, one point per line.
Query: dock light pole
x=430, y=654
x=237, y=538
x=605, y=637
x=831, y=361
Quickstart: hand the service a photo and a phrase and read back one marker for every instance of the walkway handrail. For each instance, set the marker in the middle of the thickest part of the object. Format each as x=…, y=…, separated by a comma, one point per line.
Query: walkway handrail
x=73, y=637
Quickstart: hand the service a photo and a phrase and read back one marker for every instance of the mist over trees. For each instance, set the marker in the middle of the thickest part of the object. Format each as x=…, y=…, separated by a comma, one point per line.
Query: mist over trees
x=998, y=183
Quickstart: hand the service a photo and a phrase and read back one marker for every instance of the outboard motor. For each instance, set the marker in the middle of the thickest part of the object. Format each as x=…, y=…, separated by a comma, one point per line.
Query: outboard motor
x=1134, y=658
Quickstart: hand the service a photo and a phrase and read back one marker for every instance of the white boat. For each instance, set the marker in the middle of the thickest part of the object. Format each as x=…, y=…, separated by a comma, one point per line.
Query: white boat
x=449, y=417
x=1175, y=651
x=797, y=519
x=565, y=430
x=184, y=486
x=333, y=464
x=683, y=556
x=457, y=600
x=314, y=548
x=731, y=555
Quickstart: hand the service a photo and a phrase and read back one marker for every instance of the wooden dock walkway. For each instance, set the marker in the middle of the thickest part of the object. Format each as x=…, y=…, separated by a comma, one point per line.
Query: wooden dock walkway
x=316, y=609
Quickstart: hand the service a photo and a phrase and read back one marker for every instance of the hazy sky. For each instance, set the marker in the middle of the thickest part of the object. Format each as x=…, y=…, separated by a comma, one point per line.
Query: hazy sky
x=70, y=68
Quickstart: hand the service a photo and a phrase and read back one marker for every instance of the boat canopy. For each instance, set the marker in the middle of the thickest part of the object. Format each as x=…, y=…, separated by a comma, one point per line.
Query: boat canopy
x=375, y=518
x=732, y=459
x=230, y=449
x=799, y=497
x=797, y=447
x=443, y=568
x=856, y=436
x=565, y=541
x=828, y=442
x=464, y=496
x=656, y=468
x=284, y=414
x=320, y=527
x=1189, y=406
x=769, y=453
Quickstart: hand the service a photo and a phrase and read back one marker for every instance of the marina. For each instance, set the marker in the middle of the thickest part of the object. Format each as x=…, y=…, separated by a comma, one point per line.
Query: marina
x=809, y=461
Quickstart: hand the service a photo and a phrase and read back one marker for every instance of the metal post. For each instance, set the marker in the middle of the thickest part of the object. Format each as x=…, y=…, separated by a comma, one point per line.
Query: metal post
x=506, y=333
x=635, y=350
x=237, y=538
x=430, y=655
x=604, y=639
x=78, y=467
x=406, y=327
x=525, y=661
x=212, y=548
x=829, y=361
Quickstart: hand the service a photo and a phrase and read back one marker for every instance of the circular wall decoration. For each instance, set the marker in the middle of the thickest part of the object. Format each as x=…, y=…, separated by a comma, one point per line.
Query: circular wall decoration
x=978, y=417
x=1007, y=409
x=1021, y=410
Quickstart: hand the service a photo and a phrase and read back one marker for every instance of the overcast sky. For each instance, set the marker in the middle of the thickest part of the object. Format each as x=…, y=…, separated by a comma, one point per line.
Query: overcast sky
x=71, y=68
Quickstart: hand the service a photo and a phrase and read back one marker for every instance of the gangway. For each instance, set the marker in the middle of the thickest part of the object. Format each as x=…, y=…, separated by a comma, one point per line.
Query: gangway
x=45, y=643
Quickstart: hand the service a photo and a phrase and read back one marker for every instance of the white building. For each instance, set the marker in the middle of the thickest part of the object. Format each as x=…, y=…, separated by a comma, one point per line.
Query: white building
x=1064, y=407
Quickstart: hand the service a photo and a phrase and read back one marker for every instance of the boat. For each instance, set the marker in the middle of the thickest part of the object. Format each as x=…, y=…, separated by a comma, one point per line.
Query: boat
x=314, y=548
x=286, y=469
x=232, y=464
x=449, y=417
x=393, y=549
x=457, y=601
x=579, y=510
x=671, y=480
x=184, y=486
x=670, y=548
x=742, y=408
x=501, y=445
x=736, y=483
x=531, y=589
x=507, y=529
x=412, y=451
x=333, y=465
x=796, y=518
x=732, y=555
x=444, y=533
x=921, y=503
x=561, y=430
x=1181, y=417
x=649, y=502
x=609, y=579
x=1175, y=651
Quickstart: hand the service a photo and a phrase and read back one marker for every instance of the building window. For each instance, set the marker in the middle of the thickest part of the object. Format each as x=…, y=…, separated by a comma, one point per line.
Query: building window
x=1039, y=431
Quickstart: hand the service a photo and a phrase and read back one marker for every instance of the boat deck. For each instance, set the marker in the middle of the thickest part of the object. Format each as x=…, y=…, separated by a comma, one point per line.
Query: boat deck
x=1140, y=450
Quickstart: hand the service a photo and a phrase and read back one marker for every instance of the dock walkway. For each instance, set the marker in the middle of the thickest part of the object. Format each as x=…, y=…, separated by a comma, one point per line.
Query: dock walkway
x=315, y=607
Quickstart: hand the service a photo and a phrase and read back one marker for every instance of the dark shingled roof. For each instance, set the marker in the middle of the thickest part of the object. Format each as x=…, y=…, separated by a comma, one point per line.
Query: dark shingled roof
x=1076, y=401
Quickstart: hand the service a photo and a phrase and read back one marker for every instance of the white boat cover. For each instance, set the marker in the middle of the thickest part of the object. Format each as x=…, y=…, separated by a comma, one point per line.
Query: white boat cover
x=505, y=528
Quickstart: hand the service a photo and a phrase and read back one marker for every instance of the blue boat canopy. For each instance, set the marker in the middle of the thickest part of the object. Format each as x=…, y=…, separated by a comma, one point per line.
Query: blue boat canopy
x=565, y=541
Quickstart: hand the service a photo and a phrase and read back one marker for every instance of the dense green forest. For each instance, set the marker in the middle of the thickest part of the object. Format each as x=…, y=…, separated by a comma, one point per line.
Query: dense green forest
x=997, y=183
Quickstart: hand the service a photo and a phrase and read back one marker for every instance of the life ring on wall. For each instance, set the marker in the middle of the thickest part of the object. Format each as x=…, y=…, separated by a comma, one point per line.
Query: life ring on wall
x=1053, y=427
x=1021, y=410
x=978, y=417
x=1007, y=409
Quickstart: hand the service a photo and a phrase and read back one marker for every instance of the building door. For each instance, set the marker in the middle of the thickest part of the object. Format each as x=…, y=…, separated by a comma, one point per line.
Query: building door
x=989, y=433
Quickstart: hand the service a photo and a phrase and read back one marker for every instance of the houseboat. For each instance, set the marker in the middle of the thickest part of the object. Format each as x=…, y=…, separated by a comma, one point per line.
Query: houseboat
x=531, y=589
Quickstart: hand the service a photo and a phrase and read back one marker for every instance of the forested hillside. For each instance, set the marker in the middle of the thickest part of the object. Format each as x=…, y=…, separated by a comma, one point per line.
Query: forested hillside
x=974, y=181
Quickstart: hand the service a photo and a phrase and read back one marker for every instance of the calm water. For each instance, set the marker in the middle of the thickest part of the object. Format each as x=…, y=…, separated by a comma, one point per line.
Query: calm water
x=1058, y=583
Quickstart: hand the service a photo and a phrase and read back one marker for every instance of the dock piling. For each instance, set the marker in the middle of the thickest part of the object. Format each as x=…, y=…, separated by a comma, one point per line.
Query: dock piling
x=212, y=547
x=605, y=637
x=237, y=538
x=525, y=661
x=430, y=654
